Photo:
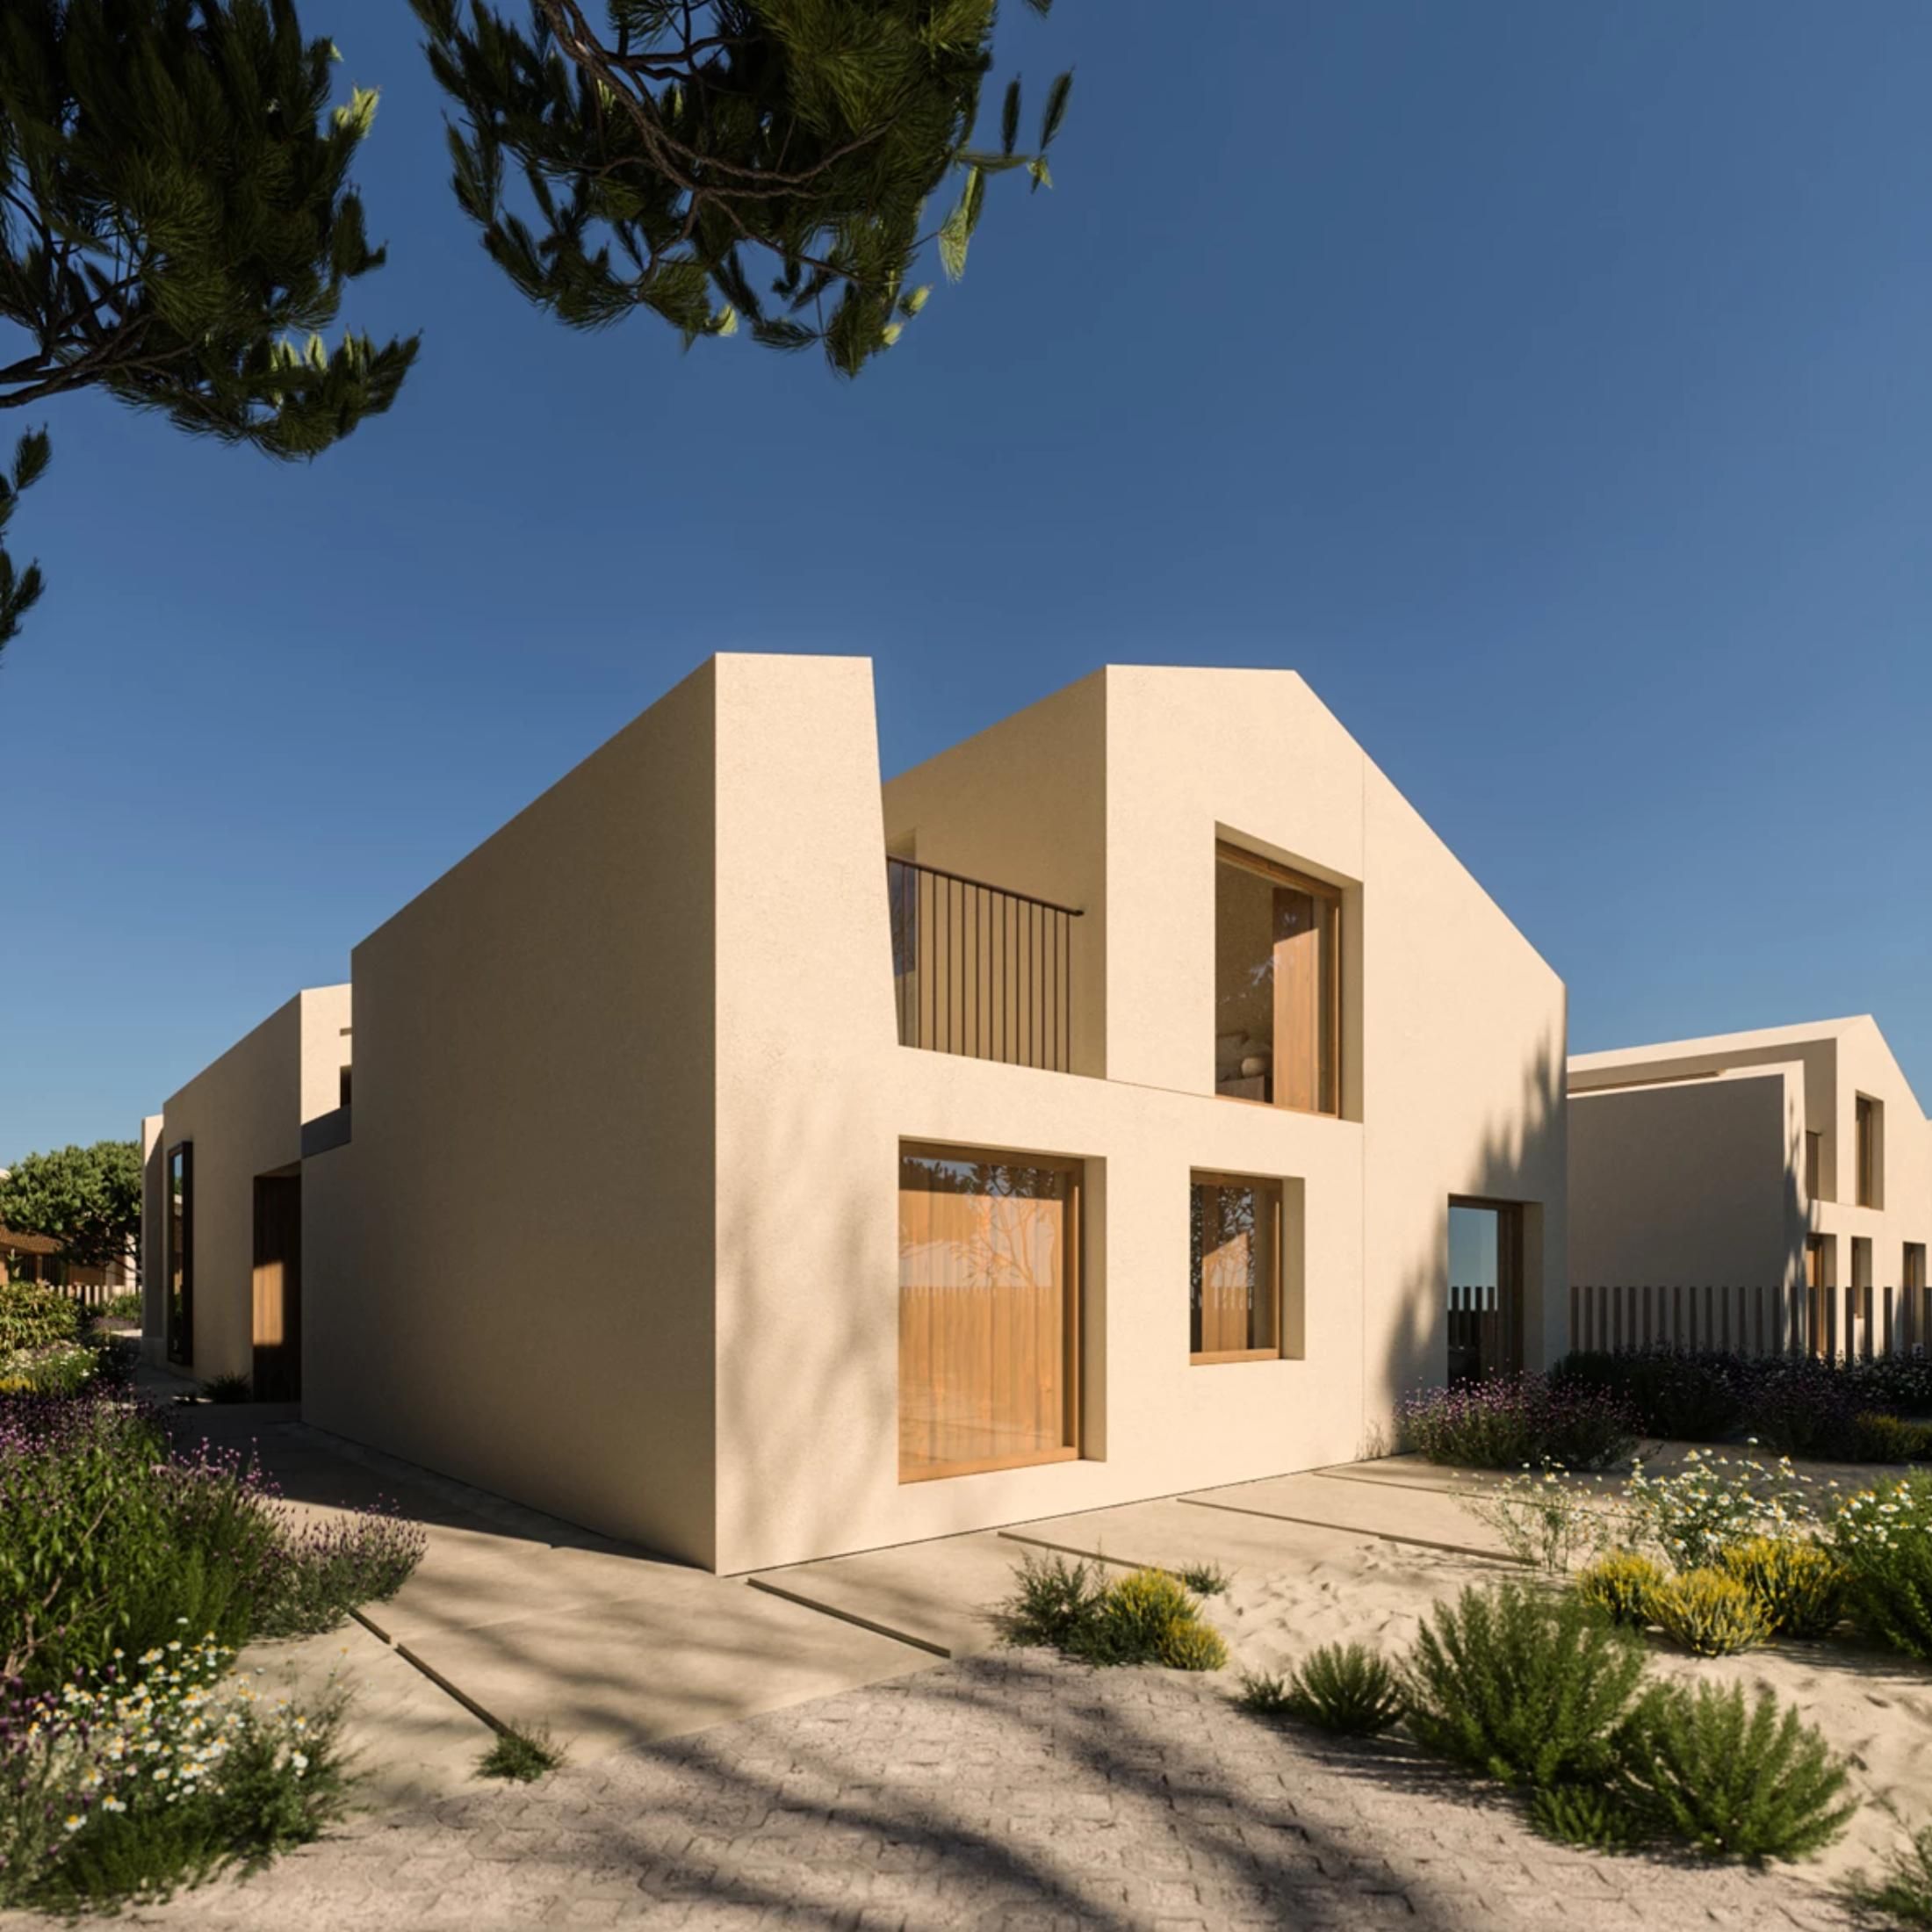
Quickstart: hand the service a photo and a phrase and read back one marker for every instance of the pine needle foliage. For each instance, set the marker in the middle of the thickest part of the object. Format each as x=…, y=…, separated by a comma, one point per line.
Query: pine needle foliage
x=177, y=227
x=1902, y=1894
x=769, y=163
x=1346, y=1689
x=1524, y=1685
x=1585, y=1815
x=1734, y=1778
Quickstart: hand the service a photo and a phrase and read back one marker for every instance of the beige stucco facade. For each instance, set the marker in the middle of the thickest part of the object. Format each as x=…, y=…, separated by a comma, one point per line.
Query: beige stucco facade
x=243, y=1116
x=615, y=1232
x=1690, y=1162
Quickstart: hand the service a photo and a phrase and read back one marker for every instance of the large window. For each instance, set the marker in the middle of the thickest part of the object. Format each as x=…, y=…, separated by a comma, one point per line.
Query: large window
x=180, y=1285
x=1278, y=936
x=1869, y=1120
x=1237, y=1244
x=989, y=1310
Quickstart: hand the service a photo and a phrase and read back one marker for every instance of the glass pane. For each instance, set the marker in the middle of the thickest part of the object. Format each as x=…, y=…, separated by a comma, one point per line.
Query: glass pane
x=984, y=1321
x=1232, y=1266
x=1275, y=989
x=1244, y=936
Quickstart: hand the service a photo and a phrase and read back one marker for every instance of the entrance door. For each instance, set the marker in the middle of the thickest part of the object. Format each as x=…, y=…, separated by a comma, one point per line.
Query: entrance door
x=277, y=1376
x=1485, y=1289
x=1818, y=1337
x=989, y=1301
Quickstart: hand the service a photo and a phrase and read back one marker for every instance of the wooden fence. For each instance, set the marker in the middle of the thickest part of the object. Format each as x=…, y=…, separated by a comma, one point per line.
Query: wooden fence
x=1846, y=1324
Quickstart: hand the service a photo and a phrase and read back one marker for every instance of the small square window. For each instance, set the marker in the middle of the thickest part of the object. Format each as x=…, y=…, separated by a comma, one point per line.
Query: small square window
x=1238, y=1245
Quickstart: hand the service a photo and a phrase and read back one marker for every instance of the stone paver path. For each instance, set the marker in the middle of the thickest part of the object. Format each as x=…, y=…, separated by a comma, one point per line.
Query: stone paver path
x=1003, y=1792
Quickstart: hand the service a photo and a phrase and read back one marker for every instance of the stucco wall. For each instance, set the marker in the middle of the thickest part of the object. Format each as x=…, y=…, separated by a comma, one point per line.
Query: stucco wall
x=815, y=1095
x=516, y=1284
x=1688, y=1186
x=243, y=1114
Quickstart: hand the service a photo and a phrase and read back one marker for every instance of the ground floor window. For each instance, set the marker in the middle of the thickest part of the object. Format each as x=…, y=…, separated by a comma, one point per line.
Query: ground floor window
x=1236, y=1245
x=180, y=1279
x=989, y=1310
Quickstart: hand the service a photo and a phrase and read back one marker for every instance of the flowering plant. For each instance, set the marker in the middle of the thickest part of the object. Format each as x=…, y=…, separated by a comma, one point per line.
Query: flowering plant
x=1884, y=1538
x=1517, y=1421
x=1695, y=1514
x=141, y=1776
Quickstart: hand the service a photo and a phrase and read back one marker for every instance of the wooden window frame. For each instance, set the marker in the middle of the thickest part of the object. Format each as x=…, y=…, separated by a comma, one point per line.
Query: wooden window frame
x=1278, y=1242
x=1323, y=893
x=1868, y=1140
x=1073, y=1295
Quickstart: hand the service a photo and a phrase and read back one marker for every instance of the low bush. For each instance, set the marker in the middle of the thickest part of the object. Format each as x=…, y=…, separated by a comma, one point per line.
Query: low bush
x=323, y=1571
x=521, y=1756
x=1691, y=1515
x=113, y=1787
x=1798, y=1584
x=54, y=1368
x=1902, y=1894
x=1880, y=1437
x=1709, y=1613
x=1206, y=1579
x=1517, y=1421
x=1343, y=1688
x=1585, y=1815
x=1733, y=1779
x=1621, y=1585
x=1546, y=1521
x=32, y=1316
x=124, y=1307
x=1264, y=1692
x=1145, y=1616
x=1525, y=1685
x=231, y=1387
x=1682, y=1394
x=1883, y=1536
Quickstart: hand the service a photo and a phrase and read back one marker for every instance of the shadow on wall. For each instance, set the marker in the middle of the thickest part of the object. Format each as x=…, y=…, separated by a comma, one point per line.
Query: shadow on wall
x=1516, y=1147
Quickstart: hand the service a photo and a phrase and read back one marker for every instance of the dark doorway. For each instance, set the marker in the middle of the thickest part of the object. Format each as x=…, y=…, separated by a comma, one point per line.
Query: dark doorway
x=278, y=1373
x=1485, y=1289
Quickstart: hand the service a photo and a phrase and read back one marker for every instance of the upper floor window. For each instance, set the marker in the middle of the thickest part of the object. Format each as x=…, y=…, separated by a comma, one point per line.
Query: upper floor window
x=1278, y=998
x=1870, y=1127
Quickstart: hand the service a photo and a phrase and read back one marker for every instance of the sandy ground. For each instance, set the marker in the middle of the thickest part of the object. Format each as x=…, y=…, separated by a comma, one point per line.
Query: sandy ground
x=1875, y=1708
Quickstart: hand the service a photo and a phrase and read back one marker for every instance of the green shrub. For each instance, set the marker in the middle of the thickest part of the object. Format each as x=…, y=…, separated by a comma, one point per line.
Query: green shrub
x=1877, y=1438
x=323, y=1571
x=1345, y=1688
x=1206, y=1579
x=32, y=1316
x=124, y=1307
x=1621, y=1586
x=1710, y=1612
x=1798, y=1584
x=231, y=1387
x=1514, y=1422
x=1132, y=1617
x=1586, y=1815
x=1884, y=1538
x=1145, y=1616
x=1264, y=1693
x=1054, y=1602
x=1692, y=1514
x=1186, y=1644
x=54, y=1368
x=1735, y=1780
x=115, y=1788
x=1903, y=1893
x=1524, y=1685
x=522, y=1755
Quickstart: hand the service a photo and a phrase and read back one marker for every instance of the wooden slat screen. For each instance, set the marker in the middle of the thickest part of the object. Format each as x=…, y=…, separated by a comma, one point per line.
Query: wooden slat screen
x=988, y=1331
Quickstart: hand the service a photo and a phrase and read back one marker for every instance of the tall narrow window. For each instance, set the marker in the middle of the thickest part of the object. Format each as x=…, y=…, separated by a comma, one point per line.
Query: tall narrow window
x=1814, y=1165
x=180, y=1313
x=1235, y=1247
x=1912, y=1272
x=1871, y=1127
x=1277, y=984
x=989, y=1310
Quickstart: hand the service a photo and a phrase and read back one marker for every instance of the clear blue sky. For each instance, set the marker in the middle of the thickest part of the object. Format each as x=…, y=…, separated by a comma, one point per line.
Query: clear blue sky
x=1549, y=384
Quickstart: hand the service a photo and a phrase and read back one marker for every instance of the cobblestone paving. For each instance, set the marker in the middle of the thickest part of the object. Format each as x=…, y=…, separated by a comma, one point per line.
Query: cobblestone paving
x=1007, y=1793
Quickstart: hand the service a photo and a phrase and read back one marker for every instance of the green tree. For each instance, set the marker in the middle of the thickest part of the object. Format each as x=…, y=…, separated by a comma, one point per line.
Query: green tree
x=678, y=155
x=88, y=1198
x=177, y=229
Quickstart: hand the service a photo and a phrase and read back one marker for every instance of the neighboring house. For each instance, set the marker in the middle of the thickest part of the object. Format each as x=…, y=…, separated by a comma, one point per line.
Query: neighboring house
x=759, y=1162
x=1788, y=1159
x=221, y=1208
x=37, y=1258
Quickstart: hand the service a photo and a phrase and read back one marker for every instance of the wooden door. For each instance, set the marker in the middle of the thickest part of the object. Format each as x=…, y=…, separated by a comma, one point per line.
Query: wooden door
x=989, y=1297
x=277, y=1371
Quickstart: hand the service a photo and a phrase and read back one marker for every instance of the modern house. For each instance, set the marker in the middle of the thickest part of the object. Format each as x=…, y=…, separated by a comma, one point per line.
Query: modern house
x=758, y=1161
x=221, y=1206
x=1793, y=1159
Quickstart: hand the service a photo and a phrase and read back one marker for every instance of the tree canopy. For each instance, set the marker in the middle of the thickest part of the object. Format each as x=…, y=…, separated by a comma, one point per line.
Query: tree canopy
x=176, y=227
x=86, y=1199
x=677, y=157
